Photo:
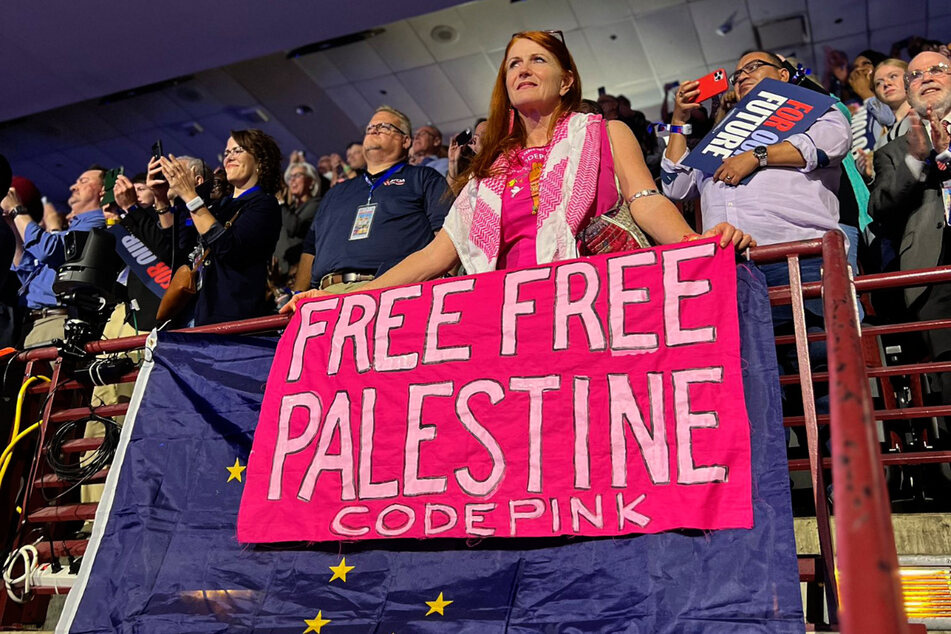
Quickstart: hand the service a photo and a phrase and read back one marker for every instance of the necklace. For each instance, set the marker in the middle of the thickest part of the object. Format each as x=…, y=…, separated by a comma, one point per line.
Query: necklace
x=534, y=184
x=535, y=158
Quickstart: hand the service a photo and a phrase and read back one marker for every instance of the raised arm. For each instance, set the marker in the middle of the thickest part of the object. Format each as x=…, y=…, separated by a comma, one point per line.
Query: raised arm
x=683, y=106
x=656, y=214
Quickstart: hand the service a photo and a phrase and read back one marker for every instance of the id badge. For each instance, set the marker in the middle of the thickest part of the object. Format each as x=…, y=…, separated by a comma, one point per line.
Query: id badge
x=363, y=221
x=946, y=199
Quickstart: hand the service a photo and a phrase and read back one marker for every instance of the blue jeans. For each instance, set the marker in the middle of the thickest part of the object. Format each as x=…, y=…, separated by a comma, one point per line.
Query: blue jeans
x=777, y=274
x=852, y=233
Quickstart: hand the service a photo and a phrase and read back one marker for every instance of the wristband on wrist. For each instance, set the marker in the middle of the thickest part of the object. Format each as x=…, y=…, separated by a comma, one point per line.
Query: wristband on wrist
x=663, y=129
x=163, y=210
x=19, y=210
x=195, y=203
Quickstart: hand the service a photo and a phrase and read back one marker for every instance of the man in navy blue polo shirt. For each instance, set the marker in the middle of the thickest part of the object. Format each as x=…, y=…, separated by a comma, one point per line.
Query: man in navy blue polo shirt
x=366, y=225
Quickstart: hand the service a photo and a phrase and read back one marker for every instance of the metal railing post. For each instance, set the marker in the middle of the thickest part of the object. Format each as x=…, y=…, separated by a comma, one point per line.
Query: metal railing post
x=869, y=586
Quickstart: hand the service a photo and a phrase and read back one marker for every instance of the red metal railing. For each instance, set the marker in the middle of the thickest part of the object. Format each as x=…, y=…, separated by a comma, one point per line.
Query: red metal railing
x=870, y=598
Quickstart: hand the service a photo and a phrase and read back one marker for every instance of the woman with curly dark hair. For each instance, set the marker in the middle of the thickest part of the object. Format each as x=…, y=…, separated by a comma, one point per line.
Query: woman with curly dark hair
x=238, y=232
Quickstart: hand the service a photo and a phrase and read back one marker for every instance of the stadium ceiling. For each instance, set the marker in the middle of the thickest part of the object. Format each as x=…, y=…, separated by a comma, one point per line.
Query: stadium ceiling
x=93, y=81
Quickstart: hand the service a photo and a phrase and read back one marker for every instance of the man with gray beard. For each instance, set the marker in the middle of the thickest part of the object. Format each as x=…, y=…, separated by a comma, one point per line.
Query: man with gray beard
x=912, y=193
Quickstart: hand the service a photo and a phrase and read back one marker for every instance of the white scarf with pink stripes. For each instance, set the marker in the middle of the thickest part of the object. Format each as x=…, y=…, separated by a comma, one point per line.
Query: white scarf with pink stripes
x=567, y=189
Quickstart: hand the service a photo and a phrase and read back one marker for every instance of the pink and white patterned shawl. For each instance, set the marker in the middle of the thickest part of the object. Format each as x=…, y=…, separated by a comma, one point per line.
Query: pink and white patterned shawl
x=568, y=186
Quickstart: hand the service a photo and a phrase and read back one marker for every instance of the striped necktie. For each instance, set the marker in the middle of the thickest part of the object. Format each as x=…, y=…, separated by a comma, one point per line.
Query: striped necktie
x=947, y=129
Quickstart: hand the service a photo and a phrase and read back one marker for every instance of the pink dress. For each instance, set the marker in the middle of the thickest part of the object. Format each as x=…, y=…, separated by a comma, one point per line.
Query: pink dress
x=519, y=224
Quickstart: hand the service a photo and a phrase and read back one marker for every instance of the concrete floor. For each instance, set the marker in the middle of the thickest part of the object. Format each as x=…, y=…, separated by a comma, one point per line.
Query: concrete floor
x=915, y=534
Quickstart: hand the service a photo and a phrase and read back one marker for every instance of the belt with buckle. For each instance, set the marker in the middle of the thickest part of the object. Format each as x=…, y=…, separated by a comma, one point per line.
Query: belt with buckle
x=344, y=277
x=40, y=313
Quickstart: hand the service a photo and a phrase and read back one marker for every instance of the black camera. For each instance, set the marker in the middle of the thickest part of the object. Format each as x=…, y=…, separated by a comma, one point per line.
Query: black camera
x=86, y=284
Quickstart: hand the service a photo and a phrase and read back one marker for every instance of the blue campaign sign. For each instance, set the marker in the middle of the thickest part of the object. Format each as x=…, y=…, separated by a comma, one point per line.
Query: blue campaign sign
x=770, y=113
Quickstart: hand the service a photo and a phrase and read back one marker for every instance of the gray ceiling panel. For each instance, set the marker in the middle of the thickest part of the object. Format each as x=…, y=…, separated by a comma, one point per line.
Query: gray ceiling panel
x=709, y=15
x=600, y=13
x=550, y=14
x=669, y=54
x=831, y=19
x=460, y=39
x=473, y=77
x=400, y=47
x=646, y=6
x=435, y=94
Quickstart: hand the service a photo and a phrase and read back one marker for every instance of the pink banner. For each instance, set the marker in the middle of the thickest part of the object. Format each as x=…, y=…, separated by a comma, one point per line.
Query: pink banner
x=600, y=396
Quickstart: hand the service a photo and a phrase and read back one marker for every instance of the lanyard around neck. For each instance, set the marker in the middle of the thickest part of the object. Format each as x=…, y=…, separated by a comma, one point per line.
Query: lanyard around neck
x=374, y=184
x=247, y=191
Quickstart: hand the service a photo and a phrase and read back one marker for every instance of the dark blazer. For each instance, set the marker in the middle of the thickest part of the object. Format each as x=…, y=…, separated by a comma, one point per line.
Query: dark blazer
x=234, y=277
x=910, y=208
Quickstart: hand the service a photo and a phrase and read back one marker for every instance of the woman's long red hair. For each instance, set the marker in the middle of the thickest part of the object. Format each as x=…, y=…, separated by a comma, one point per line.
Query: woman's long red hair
x=498, y=139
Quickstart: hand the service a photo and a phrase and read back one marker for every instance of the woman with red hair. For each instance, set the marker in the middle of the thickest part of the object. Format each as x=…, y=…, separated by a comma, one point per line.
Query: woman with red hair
x=545, y=170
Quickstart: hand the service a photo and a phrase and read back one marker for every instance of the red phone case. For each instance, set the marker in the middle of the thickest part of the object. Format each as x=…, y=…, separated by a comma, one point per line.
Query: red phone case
x=711, y=85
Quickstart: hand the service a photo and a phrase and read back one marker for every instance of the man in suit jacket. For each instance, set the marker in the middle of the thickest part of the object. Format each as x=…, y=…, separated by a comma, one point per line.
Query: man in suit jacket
x=912, y=192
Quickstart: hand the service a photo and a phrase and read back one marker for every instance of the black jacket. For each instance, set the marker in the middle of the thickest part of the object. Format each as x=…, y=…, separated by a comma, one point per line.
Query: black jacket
x=233, y=280
x=144, y=225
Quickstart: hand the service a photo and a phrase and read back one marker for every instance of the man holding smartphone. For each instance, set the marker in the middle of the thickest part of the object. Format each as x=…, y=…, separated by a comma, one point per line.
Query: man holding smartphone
x=44, y=252
x=794, y=193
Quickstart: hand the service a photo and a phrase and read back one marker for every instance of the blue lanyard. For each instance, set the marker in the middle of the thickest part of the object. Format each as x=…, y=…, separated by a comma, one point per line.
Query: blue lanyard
x=248, y=191
x=374, y=184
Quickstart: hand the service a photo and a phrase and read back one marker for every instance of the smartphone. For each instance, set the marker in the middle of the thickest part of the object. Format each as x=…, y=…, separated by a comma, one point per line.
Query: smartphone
x=109, y=184
x=716, y=83
x=157, y=153
x=464, y=137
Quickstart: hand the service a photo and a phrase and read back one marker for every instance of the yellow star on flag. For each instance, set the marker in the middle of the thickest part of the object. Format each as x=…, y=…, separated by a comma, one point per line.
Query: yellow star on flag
x=340, y=570
x=438, y=605
x=235, y=471
x=314, y=625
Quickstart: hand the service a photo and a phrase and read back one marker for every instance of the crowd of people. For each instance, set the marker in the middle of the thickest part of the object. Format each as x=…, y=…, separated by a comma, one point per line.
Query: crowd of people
x=516, y=189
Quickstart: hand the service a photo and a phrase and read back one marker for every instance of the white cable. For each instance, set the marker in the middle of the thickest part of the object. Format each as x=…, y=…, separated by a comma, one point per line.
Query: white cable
x=31, y=560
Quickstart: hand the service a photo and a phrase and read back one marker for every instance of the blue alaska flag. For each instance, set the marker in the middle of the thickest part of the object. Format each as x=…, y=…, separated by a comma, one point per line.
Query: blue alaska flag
x=163, y=555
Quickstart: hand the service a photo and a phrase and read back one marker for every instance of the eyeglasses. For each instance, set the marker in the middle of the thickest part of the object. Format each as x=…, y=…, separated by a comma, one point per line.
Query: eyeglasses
x=296, y=175
x=235, y=152
x=749, y=69
x=937, y=70
x=381, y=128
x=561, y=36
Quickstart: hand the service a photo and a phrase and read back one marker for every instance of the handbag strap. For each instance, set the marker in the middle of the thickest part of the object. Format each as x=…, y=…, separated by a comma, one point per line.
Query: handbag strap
x=207, y=251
